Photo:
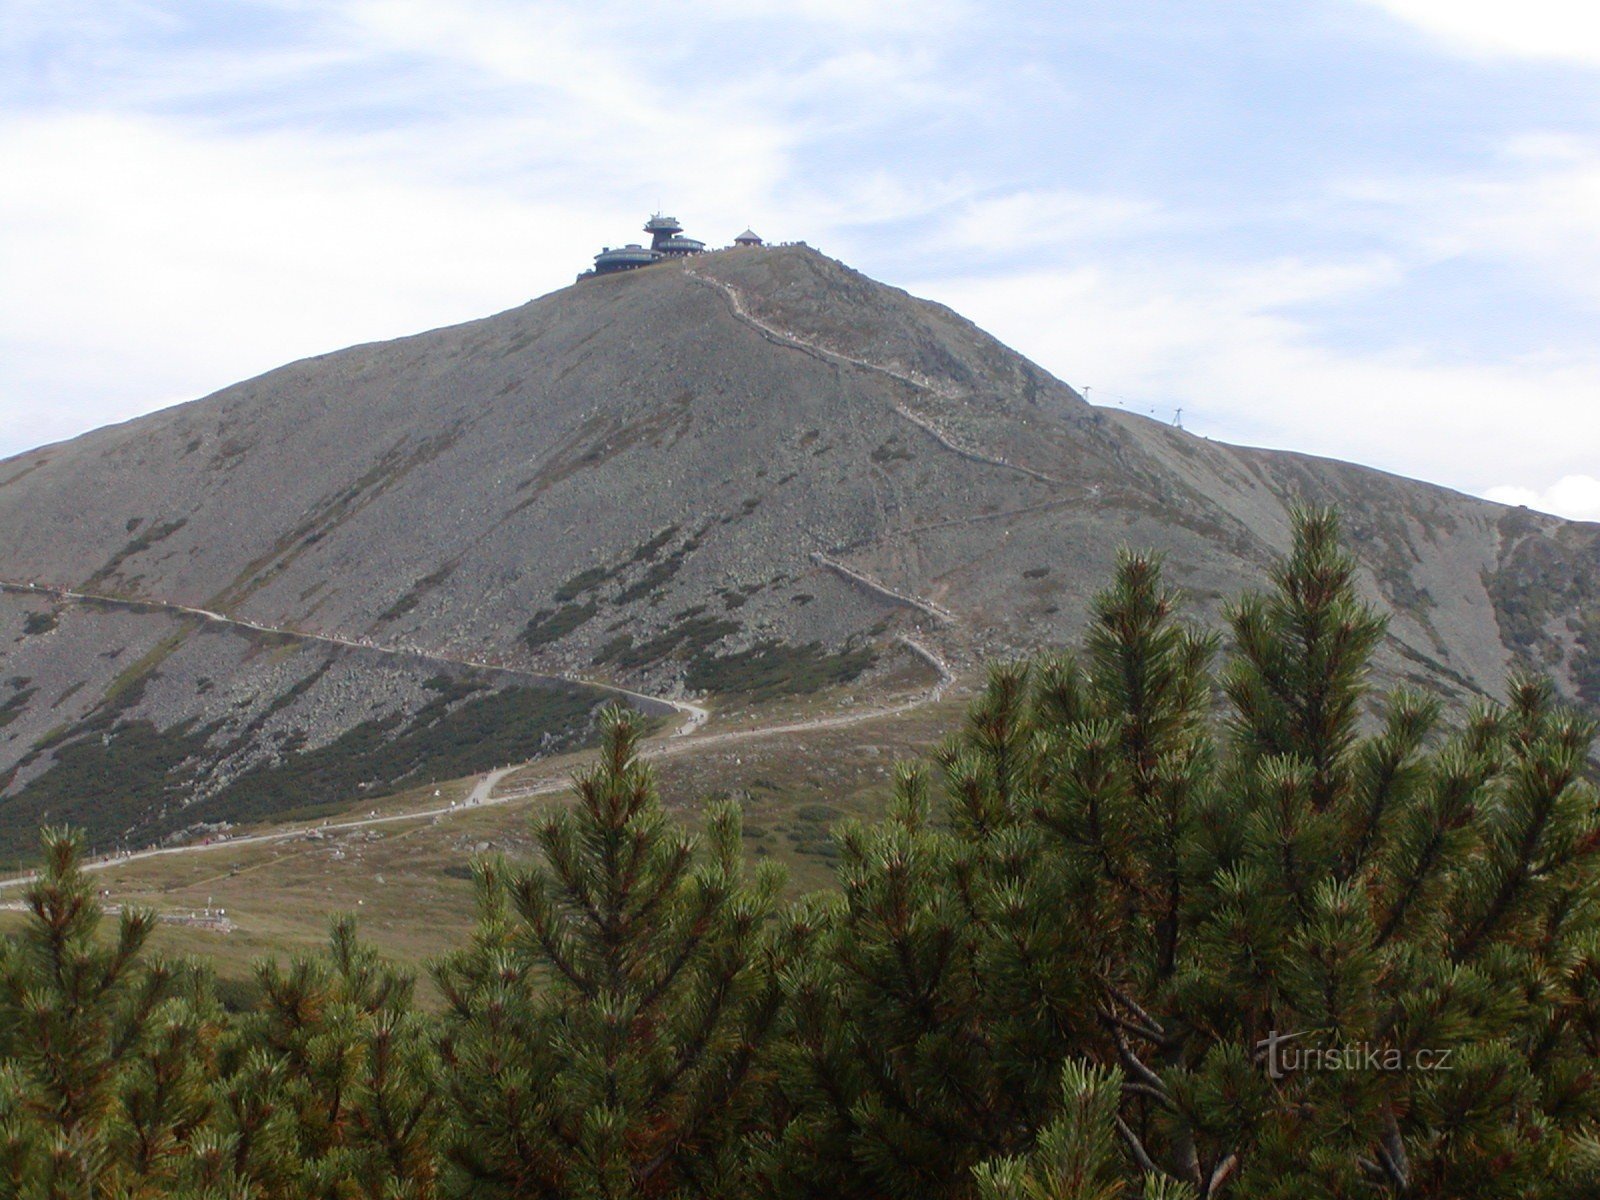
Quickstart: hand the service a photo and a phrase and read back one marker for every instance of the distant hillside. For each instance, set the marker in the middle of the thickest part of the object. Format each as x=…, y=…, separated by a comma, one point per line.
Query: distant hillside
x=746, y=473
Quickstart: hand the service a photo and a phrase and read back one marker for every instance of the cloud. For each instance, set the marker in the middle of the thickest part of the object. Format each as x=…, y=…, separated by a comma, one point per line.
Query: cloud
x=1535, y=209
x=1334, y=352
x=1231, y=348
x=145, y=265
x=188, y=213
x=1573, y=496
x=1032, y=218
x=840, y=14
x=1551, y=29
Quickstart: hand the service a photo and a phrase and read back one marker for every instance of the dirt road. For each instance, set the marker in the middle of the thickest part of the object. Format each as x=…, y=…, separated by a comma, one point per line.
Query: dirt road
x=684, y=738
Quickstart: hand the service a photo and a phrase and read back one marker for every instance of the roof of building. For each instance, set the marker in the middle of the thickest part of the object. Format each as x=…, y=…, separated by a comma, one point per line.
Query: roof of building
x=749, y=235
x=666, y=241
x=629, y=253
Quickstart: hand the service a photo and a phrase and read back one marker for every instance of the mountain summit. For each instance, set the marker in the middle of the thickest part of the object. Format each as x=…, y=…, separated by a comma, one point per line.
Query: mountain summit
x=741, y=471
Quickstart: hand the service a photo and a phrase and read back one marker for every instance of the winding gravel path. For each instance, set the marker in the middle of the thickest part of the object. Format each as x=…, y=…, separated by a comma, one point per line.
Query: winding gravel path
x=920, y=383
x=685, y=738
x=694, y=715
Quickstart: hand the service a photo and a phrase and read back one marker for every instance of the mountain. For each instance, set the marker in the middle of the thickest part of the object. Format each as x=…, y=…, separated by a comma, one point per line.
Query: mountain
x=747, y=472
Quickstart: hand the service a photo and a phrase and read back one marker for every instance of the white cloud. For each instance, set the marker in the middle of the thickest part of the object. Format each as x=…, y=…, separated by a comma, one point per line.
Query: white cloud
x=1537, y=209
x=874, y=15
x=1047, y=217
x=1574, y=496
x=160, y=241
x=1154, y=336
x=1552, y=29
x=1243, y=346
x=145, y=266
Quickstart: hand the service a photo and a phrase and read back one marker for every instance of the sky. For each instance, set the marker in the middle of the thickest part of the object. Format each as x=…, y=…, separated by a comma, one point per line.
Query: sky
x=1368, y=229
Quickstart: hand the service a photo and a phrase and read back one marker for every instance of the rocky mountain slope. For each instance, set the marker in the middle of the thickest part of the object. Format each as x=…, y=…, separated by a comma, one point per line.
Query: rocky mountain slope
x=747, y=472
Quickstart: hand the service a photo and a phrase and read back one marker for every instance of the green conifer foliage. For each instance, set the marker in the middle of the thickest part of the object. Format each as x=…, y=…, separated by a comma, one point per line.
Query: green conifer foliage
x=329, y=1087
x=1078, y=1156
x=923, y=1036
x=1145, y=926
x=606, y=1029
x=970, y=956
x=104, y=1082
x=1417, y=898
x=893, y=1071
x=1277, y=921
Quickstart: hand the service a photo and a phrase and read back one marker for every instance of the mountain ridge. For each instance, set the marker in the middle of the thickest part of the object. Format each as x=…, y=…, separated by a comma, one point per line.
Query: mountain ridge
x=730, y=474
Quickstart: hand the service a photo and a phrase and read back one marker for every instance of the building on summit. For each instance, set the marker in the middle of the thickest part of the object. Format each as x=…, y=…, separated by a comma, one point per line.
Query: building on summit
x=623, y=258
x=666, y=241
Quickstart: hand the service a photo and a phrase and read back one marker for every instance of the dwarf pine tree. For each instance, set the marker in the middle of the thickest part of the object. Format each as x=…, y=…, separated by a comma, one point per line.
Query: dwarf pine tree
x=1407, y=905
x=104, y=1056
x=328, y=1088
x=1278, y=922
x=902, y=1066
x=1077, y=1156
x=605, y=1031
x=1145, y=926
x=890, y=1077
x=970, y=955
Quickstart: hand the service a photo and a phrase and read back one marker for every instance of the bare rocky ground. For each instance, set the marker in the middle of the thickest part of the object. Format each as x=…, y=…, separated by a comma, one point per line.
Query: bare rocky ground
x=741, y=475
